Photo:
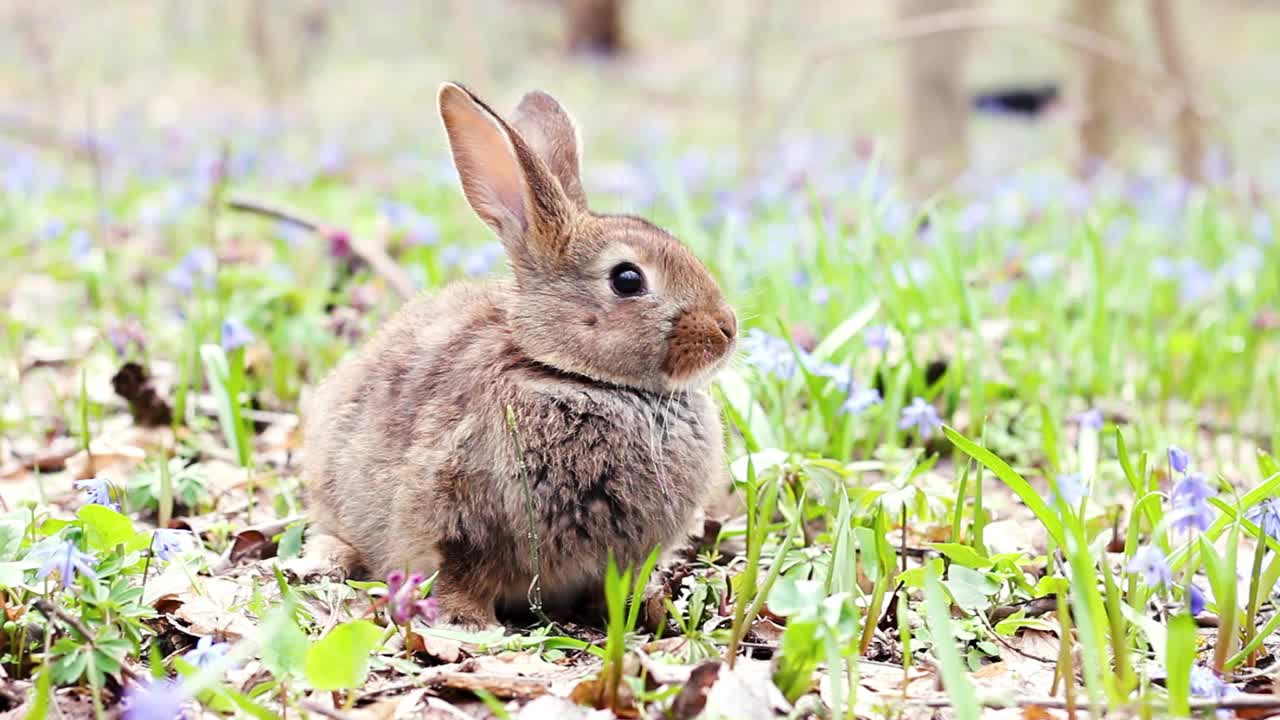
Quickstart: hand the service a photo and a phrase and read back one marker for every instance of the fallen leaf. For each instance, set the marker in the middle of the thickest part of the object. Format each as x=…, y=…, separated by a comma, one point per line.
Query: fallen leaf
x=693, y=696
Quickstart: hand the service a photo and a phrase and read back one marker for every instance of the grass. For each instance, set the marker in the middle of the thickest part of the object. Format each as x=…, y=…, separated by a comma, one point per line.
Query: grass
x=1014, y=314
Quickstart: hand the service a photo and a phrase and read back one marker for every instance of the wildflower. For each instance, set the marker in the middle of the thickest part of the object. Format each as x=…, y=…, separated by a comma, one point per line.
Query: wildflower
x=1266, y=515
x=922, y=416
x=403, y=602
x=876, y=337
x=1195, y=600
x=1091, y=419
x=161, y=700
x=1070, y=488
x=1149, y=562
x=196, y=265
x=66, y=559
x=1191, y=510
x=166, y=544
x=339, y=244
x=126, y=335
x=769, y=353
x=1206, y=684
x=1178, y=459
x=207, y=652
x=820, y=295
x=97, y=491
x=81, y=245
x=234, y=334
x=859, y=399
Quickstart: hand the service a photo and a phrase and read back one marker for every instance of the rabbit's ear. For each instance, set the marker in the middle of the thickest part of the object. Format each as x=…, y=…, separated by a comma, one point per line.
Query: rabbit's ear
x=551, y=133
x=505, y=181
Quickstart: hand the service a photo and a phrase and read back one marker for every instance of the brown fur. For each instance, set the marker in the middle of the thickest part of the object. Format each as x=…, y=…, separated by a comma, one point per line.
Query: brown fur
x=411, y=462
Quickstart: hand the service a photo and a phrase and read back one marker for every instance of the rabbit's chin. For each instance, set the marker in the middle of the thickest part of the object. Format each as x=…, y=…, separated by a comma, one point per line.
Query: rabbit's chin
x=702, y=377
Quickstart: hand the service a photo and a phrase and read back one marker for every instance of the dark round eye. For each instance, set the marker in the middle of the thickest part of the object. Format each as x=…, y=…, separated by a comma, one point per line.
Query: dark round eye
x=626, y=279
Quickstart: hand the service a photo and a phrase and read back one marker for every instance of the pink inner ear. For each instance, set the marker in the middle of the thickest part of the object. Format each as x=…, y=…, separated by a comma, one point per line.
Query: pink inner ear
x=487, y=165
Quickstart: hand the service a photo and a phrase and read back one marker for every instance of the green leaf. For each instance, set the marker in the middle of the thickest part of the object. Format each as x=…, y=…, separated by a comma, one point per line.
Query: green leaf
x=799, y=654
x=340, y=660
x=796, y=597
x=963, y=555
x=1016, y=483
x=105, y=528
x=970, y=589
x=12, y=575
x=40, y=700
x=290, y=544
x=284, y=645
x=747, y=414
x=1179, y=655
x=938, y=614
x=845, y=331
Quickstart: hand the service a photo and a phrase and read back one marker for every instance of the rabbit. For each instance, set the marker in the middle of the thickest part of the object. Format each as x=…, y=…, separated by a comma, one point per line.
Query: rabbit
x=565, y=403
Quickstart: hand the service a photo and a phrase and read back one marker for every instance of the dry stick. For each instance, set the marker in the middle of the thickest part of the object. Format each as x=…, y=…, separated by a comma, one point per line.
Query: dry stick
x=50, y=610
x=979, y=19
x=371, y=253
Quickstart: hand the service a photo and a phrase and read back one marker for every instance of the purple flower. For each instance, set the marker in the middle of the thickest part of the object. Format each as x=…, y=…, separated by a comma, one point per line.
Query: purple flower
x=166, y=544
x=859, y=399
x=876, y=337
x=922, y=416
x=820, y=295
x=769, y=353
x=1190, y=504
x=1206, y=684
x=161, y=700
x=1070, y=488
x=1266, y=515
x=1091, y=419
x=1195, y=600
x=206, y=652
x=1192, y=489
x=126, y=335
x=1178, y=459
x=97, y=491
x=1149, y=562
x=81, y=245
x=197, y=265
x=403, y=602
x=234, y=334
x=339, y=243
x=66, y=559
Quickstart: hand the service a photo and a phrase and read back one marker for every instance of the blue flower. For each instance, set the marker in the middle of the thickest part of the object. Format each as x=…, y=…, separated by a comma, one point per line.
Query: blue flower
x=66, y=559
x=1091, y=419
x=166, y=544
x=1070, y=488
x=197, y=265
x=876, y=337
x=1191, y=511
x=1206, y=684
x=81, y=245
x=234, y=334
x=1266, y=515
x=161, y=700
x=769, y=353
x=1195, y=600
x=1178, y=459
x=206, y=652
x=820, y=295
x=97, y=491
x=859, y=399
x=922, y=416
x=1149, y=562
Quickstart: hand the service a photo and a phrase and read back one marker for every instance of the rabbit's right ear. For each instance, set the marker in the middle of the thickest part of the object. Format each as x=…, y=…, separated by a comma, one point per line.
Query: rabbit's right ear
x=505, y=181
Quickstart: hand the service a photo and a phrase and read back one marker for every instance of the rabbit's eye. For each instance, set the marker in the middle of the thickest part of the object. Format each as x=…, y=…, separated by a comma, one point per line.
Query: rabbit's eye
x=626, y=279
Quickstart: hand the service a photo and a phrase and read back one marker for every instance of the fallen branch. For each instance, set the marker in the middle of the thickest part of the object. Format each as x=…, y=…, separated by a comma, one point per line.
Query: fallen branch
x=371, y=253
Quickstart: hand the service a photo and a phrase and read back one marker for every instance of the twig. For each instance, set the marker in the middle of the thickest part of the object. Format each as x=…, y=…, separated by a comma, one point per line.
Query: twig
x=974, y=19
x=1030, y=656
x=1242, y=701
x=50, y=610
x=370, y=253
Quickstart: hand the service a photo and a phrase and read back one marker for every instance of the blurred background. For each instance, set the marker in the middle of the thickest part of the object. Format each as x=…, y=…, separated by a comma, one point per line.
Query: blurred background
x=932, y=87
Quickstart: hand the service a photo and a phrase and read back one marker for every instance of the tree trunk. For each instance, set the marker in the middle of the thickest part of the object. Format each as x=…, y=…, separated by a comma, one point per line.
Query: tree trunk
x=594, y=26
x=1173, y=54
x=1100, y=88
x=935, y=136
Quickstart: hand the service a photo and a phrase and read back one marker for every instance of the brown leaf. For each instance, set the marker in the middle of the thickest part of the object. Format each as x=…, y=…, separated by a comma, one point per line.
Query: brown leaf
x=693, y=696
x=214, y=608
x=442, y=649
x=251, y=544
x=148, y=407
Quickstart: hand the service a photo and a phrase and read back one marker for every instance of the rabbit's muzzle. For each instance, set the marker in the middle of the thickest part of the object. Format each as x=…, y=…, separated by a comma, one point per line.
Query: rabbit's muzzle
x=699, y=339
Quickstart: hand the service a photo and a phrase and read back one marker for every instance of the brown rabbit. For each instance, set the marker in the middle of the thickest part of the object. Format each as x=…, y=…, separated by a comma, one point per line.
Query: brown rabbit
x=580, y=378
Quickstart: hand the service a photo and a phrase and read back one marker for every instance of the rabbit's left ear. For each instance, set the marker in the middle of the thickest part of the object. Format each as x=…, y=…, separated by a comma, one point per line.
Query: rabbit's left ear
x=551, y=133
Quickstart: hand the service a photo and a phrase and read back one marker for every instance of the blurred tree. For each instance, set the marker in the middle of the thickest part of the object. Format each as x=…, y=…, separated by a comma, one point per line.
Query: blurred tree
x=935, y=132
x=1187, y=121
x=594, y=26
x=276, y=30
x=1101, y=86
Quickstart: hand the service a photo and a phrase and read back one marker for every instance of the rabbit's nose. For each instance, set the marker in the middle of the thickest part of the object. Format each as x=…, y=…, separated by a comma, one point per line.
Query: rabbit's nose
x=728, y=323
